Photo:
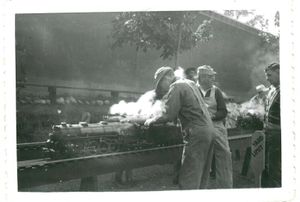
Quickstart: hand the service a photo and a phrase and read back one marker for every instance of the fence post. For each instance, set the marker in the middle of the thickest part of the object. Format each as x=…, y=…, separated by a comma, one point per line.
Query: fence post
x=52, y=94
x=246, y=162
x=115, y=96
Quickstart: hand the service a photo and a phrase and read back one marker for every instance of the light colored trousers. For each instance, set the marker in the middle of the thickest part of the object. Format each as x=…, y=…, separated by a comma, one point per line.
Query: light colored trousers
x=197, y=157
x=223, y=158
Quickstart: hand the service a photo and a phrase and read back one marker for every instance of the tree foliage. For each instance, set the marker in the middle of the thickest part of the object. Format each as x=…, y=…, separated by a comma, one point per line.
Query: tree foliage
x=269, y=40
x=169, y=31
x=237, y=13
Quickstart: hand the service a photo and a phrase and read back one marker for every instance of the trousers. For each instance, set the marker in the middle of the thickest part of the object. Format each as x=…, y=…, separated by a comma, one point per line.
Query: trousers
x=223, y=160
x=271, y=176
x=197, y=157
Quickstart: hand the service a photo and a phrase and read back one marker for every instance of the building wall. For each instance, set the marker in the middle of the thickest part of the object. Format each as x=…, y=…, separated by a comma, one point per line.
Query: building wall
x=75, y=50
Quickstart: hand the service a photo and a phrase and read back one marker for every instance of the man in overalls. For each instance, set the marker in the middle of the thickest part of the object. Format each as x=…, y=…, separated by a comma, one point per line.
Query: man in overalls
x=213, y=97
x=183, y=100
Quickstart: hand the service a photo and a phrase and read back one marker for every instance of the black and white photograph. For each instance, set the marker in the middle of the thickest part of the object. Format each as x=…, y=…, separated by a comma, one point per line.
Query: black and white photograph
x=150, y=100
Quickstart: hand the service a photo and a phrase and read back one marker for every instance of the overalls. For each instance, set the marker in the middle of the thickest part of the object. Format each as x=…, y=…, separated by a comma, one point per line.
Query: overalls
x=221, y=146
x=197, y=154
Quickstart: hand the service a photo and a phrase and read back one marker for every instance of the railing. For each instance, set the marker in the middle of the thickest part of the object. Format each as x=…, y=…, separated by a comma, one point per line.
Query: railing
x=52, y=90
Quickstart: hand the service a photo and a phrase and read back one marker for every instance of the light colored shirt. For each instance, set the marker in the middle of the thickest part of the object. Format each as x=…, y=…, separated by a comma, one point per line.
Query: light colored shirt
x=185, y=102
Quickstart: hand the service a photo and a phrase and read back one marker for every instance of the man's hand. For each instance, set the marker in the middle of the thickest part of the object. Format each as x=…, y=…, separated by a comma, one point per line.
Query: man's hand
x=125, y=120
x=149, y=122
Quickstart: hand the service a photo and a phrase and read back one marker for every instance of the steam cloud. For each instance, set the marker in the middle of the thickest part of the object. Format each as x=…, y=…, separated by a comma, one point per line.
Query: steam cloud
x=179, y=73
x=253, y=109
x=146, y=107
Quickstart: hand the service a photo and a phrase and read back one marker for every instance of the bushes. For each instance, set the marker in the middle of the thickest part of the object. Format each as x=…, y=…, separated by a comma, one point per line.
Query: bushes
x=249, y=122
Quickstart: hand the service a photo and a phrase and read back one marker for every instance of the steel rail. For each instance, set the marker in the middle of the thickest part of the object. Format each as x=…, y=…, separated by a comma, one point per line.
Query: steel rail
x=27, y=151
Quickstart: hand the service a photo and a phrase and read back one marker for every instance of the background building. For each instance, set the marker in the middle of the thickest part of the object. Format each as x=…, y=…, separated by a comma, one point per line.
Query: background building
x=74, y=49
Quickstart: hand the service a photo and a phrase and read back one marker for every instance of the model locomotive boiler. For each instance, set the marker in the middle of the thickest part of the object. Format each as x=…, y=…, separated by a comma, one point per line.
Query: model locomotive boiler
x=110, y=136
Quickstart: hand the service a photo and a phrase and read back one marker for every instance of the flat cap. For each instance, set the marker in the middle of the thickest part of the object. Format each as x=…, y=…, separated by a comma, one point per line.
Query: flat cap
x=273, y=66
x=206, y=69
x=160, y=73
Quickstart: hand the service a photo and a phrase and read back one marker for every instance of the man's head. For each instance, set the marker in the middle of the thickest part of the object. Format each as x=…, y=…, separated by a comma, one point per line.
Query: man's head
x=191, y=74
x=272, y=74
x=206, y=75
x=163, y=78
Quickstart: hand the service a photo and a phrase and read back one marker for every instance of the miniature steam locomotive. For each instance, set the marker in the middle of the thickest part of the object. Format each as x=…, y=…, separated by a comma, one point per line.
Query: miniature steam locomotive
x=83, y=139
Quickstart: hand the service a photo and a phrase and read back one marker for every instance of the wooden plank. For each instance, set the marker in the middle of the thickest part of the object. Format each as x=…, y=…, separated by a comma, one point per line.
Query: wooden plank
x=35, y=173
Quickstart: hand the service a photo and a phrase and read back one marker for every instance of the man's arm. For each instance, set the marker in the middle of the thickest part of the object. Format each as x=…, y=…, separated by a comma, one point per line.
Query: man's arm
x=221, y=107
x=172, y=107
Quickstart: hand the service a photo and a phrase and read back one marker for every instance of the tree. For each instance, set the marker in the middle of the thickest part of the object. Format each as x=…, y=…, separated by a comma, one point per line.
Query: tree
x=237, y=13
x=270, y=41
x=171, y=31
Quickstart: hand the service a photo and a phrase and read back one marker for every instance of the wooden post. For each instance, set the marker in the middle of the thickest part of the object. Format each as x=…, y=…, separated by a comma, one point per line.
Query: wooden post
x=115, y=96
x=52, y=94
x=237, y=155
x=213, y=167
x=246, y=162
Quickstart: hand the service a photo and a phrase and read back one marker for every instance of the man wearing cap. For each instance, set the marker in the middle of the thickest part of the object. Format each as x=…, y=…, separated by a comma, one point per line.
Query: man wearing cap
x=213, y=97
x=272, y=174
x=184, y=101
x=260, y=97
x=191, y=74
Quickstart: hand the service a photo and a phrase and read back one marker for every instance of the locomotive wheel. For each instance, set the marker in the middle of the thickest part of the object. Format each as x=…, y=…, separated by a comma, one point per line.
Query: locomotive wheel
x=103, y=147
x=91, y=147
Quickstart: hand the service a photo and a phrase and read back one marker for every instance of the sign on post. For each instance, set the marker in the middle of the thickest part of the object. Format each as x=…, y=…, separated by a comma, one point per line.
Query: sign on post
x=258, y=155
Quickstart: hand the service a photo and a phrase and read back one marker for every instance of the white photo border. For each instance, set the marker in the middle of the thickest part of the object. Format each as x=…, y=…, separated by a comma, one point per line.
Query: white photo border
x=8, y=174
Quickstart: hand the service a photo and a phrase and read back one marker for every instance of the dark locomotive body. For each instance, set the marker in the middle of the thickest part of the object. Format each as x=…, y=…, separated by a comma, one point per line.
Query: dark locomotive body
x=75, y=140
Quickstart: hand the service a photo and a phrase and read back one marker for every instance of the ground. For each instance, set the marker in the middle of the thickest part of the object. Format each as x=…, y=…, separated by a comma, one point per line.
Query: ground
x=151, y=178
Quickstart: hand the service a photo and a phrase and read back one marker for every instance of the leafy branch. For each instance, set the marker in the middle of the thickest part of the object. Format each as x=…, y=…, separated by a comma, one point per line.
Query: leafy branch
x=171, y=32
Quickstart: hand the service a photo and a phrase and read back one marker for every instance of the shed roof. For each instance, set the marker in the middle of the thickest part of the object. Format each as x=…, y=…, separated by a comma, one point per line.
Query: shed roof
x=232, y=22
